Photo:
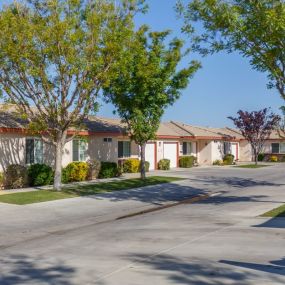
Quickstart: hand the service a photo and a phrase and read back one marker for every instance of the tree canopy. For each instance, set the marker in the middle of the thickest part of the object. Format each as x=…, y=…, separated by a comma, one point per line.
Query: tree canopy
x=56, y=56
x=148, y=83
x=253, y=28
x=256, y=127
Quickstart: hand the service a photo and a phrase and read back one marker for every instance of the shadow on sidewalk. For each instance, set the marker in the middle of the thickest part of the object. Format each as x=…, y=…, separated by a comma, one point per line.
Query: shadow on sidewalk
x=22, y=269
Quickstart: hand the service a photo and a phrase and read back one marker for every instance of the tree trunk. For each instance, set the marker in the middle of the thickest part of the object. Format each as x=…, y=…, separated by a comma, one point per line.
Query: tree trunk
x=255, y=157
x=60, y=142
x=142, y=146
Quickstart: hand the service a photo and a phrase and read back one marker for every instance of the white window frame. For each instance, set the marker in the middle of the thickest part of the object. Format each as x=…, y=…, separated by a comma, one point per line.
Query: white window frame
x=188, y=152
x=82, y=153
x=35, y=154
x=130, y=150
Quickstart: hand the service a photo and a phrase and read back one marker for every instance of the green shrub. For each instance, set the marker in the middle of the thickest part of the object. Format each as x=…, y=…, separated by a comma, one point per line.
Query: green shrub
x=109, y=170
x=228, y=159
x=282, y=159
x=75, y=172
x=16, y=176
x=1, y=180
x=94, y=169
x=187, y=161
x=131, y=165
x=164, y=164
x=146, y=164
x=261, y=157
x=40, y=174
x=218, y=162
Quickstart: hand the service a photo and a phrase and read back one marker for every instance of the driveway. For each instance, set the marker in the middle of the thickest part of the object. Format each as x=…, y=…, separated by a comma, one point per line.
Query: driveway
x=220, y=240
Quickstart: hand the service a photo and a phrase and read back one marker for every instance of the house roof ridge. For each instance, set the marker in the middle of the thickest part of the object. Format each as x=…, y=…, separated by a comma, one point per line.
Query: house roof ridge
x=177, y=124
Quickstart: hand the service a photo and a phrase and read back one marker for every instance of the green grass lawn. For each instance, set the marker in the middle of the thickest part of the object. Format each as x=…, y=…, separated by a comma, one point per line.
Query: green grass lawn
x=252, y=166
x=277, y=212
x=76, y=191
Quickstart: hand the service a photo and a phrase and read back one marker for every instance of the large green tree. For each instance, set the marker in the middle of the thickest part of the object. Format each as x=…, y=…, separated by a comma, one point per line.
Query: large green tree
x=55, y=57
x=253, y=28
x=148, y=83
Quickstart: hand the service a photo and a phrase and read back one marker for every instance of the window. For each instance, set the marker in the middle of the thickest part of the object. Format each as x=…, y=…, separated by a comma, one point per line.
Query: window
x=187, y=148
x=34, y=151
x=278, y=147
x=282, y=147
x=79, y=150
x=124, y=149
x=227, y=148
x=107, y=140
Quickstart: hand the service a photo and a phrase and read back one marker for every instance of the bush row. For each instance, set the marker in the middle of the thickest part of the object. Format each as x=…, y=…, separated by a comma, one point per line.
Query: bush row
x=19, y=176
x=271, y=158
x=133, y=165
x=227, y=160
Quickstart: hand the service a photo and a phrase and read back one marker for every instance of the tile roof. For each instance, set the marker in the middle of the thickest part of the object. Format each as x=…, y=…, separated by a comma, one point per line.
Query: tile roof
x=10, y=119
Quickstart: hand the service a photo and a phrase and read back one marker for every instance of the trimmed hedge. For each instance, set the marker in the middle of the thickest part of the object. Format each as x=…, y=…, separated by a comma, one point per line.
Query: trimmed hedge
x=273, y=158
x=187, y=161
x=131, y=165
x=94, y=169
x=40, y=174
x=75, y=172
x=261, y=157
x=228, y=159
x=146, y=164
x=164, y=164
x=109, y=170
x=218, y=162
x=1, y=180
x=16, y=176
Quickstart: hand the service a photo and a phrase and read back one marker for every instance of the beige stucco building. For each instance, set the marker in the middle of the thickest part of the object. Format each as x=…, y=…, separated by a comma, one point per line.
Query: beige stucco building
x=106, y=140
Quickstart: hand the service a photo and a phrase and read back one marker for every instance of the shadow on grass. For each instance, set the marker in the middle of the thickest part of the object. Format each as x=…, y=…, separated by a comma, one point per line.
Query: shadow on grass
x=20, y=269
x=194, y=271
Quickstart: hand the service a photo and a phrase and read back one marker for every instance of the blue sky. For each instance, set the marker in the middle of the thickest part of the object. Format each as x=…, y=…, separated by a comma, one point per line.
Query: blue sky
x=225, y=84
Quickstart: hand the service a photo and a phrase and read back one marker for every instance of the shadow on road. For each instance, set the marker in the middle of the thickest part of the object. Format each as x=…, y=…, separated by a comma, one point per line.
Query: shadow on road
x=195, y=272
x=236, y=182
x=25, y=270
x=277, y=222
x=275, y=266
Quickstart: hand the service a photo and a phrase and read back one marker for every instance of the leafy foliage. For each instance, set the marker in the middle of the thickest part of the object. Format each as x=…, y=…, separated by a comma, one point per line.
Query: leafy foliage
x=94, y=167
x=273, y=158
x=260, y=156
x=131, y=165
x=187, y=161
x=164, y=164
x=16, y=176
x=147, y=83
x=108, y=170
x=40, y=174
x=255, y=29
x=256, y=127
x=1, y=180
x=56, y=56
x=228, y=159
x=218, y=162
x=76, y=171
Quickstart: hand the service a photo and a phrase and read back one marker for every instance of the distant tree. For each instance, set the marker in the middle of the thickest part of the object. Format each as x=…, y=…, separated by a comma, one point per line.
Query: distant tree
x=253, y=28
x=148, y=83
x=256, y=127
x=55, y=57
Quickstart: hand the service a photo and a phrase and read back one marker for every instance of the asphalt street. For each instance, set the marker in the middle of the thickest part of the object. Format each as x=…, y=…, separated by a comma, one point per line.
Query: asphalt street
x=219, y=240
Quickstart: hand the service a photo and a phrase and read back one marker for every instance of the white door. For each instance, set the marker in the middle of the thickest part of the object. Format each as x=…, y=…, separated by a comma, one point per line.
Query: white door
x=234, y=150
x=150, y=155
x=170, y=152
